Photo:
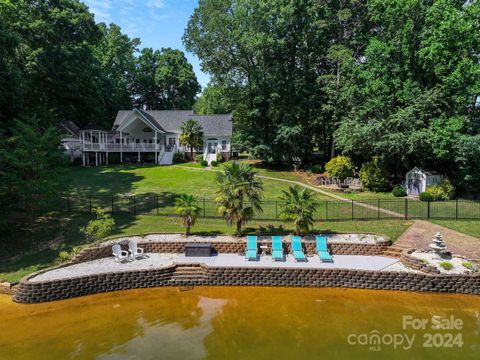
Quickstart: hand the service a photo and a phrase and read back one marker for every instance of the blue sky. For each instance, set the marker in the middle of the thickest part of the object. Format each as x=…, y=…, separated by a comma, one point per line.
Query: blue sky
x=158, y=23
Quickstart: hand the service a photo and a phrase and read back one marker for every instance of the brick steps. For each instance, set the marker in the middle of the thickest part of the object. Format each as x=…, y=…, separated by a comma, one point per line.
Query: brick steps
x=188, y=275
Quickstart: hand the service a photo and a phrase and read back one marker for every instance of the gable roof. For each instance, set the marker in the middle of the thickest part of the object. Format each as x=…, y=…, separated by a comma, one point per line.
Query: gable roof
x=172, y=120
x=69, y=127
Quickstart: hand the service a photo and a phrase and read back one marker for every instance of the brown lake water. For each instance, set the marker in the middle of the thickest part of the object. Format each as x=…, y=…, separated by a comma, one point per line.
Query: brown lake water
x=243, y=323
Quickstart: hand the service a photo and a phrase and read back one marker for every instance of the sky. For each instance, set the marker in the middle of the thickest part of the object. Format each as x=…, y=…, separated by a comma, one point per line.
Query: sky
x=158, y=23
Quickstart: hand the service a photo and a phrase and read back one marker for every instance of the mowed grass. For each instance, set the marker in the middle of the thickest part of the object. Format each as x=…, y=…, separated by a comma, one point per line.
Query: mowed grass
x=110, y=180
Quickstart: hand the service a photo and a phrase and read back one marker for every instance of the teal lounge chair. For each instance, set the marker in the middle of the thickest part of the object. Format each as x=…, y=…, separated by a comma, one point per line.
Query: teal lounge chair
x=297, y=251
x=277, y=248
x=252, y=249
x=322, y=249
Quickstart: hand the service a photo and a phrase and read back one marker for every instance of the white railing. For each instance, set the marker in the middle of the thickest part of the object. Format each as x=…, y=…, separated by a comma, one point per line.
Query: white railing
x=121, y=147
x=354, y=182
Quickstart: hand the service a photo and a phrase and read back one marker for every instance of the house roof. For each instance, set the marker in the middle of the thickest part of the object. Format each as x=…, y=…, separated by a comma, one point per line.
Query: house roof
x=172, y=120
x=69, y=127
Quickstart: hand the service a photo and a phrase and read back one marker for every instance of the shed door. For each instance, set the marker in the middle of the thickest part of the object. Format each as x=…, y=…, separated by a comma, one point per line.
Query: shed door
x=413, y=184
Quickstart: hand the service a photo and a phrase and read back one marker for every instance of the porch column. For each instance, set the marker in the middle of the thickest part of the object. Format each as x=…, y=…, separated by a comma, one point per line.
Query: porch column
x=83, y=158
x=139, y=156
x=156, y=160
x=106, y=158
x=121, y=148
x=96, y=158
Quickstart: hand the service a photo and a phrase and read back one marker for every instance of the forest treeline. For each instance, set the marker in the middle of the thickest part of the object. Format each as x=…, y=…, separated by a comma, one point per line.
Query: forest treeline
x=391, y=79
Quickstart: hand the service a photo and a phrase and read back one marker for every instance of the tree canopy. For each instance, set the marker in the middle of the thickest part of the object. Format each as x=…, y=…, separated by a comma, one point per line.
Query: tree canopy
x=368, y=78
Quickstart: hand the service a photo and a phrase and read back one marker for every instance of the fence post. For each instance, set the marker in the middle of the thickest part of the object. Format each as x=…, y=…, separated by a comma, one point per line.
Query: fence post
x=204, y=207
x=134, y=205
x=406, y=208
x=352, y=209
x=428, y=209
x=90, y=202
x=157, y=204
x=456, y=209
x=112, y=203
x=276, y=210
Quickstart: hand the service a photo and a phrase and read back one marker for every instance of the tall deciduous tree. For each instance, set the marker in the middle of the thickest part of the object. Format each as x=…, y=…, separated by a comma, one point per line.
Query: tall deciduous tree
x=165, y=80
x=192, y=135
x=239, y=194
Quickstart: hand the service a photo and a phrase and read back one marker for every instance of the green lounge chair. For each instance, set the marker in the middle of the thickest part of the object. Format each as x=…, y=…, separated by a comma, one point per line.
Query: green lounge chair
x=252, y=249
x=297, y=251
x=322, y=249
x=277, y=248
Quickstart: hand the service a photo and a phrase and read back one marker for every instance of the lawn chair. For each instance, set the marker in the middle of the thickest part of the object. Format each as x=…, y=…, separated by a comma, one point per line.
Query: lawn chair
x=119, y=254
x=322, y=249
x=252, y=248
x=277, y=248
x=135, y=251
x=297, y=250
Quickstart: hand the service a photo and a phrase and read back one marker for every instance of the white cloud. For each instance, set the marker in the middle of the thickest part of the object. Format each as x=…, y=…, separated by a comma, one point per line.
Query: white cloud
x=101, y=9
x=157, y=4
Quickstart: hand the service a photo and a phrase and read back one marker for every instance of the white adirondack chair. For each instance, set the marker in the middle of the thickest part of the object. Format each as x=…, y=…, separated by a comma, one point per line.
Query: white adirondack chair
x=119, y=254
x=135, y=251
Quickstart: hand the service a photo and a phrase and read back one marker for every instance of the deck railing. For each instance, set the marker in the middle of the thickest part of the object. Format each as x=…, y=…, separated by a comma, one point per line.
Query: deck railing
x=87, y=146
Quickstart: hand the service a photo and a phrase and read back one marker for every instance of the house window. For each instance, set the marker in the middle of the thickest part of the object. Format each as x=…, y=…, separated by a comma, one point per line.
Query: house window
x=137, y=141
x=149, y=141
x=117, y=141
x=224, y=145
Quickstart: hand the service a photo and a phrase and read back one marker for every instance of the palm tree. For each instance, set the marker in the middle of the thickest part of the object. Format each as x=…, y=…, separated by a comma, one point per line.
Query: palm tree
x=299, y=206
x=239, y=194
x=187, y=207
x=192, y=135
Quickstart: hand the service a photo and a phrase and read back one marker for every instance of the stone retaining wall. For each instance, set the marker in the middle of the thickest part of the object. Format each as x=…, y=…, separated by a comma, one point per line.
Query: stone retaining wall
x=236, y=247
x=33, y=292
x=415, y=263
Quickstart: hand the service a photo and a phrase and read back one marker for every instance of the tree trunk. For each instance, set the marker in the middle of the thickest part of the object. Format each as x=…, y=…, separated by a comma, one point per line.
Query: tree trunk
x=191, y=152
x=187, y=229
x=239, y=227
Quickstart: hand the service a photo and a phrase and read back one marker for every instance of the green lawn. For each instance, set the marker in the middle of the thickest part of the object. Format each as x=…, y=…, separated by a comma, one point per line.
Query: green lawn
x=108, y=180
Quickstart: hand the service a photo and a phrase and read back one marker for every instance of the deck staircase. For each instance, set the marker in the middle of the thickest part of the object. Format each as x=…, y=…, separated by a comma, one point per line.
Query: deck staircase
x=210, y=158
x=167, y=158
x=189, y=275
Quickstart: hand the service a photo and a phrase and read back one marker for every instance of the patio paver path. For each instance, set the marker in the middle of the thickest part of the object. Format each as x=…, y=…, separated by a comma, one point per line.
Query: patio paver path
x=420, y=235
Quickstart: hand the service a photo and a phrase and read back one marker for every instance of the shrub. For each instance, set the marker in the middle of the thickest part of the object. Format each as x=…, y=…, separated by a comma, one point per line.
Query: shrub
x=100, y=227
x=399, y=191
x=442, y=191
x=219, y=158
x=179, y=157
x=204, y=163
x=372, y=176
x=446, y=265
x=425, y=196
x=199, y=158
x=214, y=163
x=468, y=265
x=64, y=256
x=316, y=169
x=339, y=167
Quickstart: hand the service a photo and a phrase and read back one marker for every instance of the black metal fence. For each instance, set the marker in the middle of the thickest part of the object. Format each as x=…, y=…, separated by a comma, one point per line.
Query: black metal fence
x=164, y=204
